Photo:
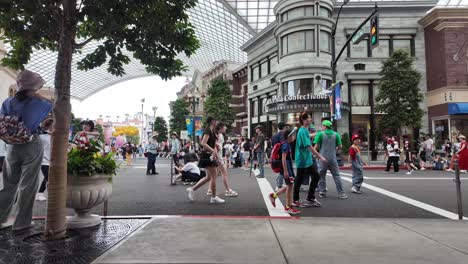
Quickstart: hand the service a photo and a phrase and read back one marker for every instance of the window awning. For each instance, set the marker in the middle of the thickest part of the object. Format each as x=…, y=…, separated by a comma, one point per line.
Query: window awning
x=457, y=108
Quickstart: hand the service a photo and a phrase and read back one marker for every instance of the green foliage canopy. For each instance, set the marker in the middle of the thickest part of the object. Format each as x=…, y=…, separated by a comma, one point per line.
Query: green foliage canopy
x=399, y=96
x=178, y=112
x=153, y=31
x=160, y=126
x=218, y=101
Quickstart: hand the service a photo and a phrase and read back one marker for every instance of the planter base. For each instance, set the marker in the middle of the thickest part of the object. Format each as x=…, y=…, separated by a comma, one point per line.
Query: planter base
x=83, y=221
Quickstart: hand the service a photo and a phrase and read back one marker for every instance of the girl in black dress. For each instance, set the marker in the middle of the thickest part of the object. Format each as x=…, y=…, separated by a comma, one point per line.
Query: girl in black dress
x=209, y=161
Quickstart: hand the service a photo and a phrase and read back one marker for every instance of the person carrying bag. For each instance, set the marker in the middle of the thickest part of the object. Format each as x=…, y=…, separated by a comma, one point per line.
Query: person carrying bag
x=21, y=116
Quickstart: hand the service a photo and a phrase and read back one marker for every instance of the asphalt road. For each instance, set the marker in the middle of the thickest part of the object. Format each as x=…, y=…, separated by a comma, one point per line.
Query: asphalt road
x=135, y=193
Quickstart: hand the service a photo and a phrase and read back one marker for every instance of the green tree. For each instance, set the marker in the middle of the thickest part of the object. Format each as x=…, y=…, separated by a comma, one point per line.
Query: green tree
x=135, y=140
x=153, y=32
x=399, y=96
x=218, y=102
x=160, y=126
x=179, y=110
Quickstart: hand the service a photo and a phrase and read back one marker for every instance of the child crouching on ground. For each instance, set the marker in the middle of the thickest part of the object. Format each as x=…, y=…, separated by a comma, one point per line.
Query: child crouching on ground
x=287, y=172
x=190, y=172
x=357, y=164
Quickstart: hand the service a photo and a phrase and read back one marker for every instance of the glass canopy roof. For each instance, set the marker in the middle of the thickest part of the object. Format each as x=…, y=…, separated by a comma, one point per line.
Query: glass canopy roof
x=222, y=26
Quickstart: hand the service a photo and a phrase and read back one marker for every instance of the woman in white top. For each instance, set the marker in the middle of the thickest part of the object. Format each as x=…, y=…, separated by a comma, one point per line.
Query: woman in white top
x=45, y=139
x=220, y=130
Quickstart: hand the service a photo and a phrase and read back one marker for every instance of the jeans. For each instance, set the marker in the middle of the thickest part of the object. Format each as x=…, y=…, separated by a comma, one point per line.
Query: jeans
x=332, y=165
x=151, y=168
x=358, y=176
x=306, y=172
x=260, y=159
x=20, y=181
x=279, y=180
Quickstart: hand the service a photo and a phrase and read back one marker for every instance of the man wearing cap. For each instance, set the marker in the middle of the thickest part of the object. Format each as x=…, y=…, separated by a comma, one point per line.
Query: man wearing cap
x=357, y=164
x=23, y=161
x=259, y=149
x=152, y=153
x=279, y=138
x=328, y=142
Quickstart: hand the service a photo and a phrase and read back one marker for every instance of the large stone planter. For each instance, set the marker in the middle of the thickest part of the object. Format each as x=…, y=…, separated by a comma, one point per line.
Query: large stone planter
x=84, y=193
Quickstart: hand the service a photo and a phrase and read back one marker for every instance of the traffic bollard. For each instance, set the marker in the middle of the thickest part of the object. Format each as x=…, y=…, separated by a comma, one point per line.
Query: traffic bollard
x=458, y=186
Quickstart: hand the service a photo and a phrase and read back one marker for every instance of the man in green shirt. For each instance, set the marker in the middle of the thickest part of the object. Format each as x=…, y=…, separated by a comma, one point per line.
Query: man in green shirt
x=304, y=164
x=328, y=142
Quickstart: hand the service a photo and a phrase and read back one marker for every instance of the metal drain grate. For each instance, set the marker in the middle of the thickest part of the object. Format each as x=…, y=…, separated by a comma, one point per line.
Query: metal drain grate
x=79, y=247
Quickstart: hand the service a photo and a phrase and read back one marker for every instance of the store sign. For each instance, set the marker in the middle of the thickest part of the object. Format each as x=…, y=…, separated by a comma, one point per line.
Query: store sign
x=290, y=98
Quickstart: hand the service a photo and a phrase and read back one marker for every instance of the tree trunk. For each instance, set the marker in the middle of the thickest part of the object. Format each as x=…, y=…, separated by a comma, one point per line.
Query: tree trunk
x=56, y=202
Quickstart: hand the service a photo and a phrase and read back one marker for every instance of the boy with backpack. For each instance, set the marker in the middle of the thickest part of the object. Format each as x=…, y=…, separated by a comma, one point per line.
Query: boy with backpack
x=284, y=166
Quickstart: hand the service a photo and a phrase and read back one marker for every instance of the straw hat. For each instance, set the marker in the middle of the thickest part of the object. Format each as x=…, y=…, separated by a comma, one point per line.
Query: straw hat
x=461, y=136
x=28, y=80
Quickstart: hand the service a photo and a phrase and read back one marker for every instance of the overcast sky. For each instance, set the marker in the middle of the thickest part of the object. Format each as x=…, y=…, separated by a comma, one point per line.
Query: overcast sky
x=125, y=98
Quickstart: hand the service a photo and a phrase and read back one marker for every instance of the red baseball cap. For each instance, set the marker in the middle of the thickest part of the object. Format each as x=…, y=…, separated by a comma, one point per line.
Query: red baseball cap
x=354, y=137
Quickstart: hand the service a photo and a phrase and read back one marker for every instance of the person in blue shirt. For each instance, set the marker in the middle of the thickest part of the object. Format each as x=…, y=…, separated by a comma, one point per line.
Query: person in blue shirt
x=23, y=161
x=278, y=138
x=287, y=172
x=305, y=163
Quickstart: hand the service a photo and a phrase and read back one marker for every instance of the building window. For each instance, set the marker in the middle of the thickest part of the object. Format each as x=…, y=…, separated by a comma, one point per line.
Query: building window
x=309, y=11
x=402, y=44
x=255, y=108
x=295, y=13
x=298, y=41
x=383, y=50
x=273, y=64
x=325, y=41
x=325, y=12
x=255, y=73
x=284, y=45
x=298, y=87
x=263, y=106
x=359, y=50
x=360, y=95
x=264, y=69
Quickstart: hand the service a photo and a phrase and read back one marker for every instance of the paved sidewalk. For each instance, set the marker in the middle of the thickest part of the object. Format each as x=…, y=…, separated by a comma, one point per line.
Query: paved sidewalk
x=311, y=240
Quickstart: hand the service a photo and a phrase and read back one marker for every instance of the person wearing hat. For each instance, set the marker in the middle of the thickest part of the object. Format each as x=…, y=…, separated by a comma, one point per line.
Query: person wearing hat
x=393, y=155
x=357, y=164
x=328, y=142
x=278, y=138
x=23, y=161
x=259, y=150
x=152, y=153
x=463, y=154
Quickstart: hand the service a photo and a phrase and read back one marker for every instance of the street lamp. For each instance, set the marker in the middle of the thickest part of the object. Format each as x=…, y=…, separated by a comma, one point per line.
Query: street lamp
x=142, y=119
x=333, y=64
x=155, y=108
x=193, y=102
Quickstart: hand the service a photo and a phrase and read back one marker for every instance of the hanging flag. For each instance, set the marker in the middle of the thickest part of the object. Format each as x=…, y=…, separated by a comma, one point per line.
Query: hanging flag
x=338, y=101
x=198, y=126
x=189, y=123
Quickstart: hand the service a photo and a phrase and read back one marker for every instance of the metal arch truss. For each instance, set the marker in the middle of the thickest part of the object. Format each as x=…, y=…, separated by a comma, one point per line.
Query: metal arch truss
x=222, y=26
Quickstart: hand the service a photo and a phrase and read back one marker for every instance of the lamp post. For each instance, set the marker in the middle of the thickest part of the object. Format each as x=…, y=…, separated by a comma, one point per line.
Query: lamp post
x=193, y=102
x=142, y=119
x=333, y=64
x=155, y=108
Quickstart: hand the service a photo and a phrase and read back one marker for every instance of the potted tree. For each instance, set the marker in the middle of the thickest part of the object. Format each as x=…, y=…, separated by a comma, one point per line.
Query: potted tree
x=89, y=182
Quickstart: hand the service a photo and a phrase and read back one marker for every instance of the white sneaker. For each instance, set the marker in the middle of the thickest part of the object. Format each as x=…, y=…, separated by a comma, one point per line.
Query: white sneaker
x=217, y=200
x=190, y=194
x=408, y=173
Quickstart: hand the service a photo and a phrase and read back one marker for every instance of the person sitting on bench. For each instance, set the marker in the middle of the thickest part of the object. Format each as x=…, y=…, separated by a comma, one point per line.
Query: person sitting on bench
x=190, y=172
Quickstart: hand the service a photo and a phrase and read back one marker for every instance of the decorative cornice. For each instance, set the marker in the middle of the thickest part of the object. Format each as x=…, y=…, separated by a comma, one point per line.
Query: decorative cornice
x=448, y=24
x=442, y=14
